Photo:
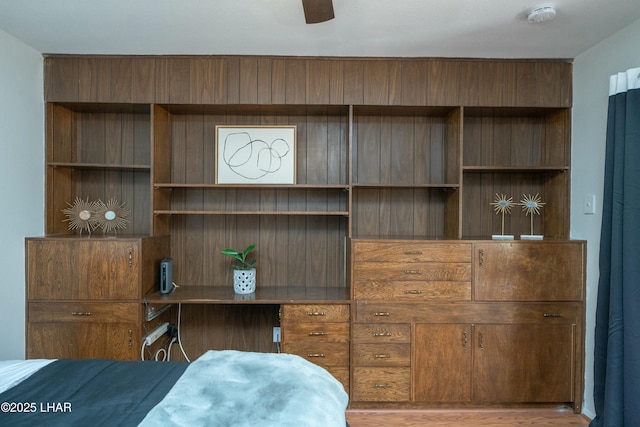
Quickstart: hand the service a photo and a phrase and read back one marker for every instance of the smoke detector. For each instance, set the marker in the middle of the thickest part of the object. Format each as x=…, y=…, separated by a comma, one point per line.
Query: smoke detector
x=541, y=14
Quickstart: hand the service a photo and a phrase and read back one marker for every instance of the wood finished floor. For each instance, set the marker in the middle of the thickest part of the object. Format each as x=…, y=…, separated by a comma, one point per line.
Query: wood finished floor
x=547, y=417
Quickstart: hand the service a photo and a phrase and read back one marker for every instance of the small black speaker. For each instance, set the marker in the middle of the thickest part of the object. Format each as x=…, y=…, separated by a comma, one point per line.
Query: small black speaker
x=166, y=276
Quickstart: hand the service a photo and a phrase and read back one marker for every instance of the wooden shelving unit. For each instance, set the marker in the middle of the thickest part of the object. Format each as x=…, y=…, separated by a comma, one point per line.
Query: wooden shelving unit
x=387, y=148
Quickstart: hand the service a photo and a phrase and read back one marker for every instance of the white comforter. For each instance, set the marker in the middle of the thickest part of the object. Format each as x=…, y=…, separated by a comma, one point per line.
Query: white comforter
x=13, y=372
x=244, y=389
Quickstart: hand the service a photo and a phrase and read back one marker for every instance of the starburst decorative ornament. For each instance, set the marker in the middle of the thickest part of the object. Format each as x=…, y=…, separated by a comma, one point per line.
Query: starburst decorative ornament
x=502, y=206
x=81, y=215
x=531, y=205
x=111, y=216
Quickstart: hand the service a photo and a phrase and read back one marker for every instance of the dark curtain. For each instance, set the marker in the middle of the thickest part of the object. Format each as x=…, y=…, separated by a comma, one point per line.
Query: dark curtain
x=617, y=330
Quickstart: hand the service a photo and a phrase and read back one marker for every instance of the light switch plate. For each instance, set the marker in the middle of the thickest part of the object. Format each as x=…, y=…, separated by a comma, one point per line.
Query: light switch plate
x=589, y=204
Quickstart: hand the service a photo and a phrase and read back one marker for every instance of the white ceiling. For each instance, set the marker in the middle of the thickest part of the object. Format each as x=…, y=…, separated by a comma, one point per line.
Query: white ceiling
x=396, y=28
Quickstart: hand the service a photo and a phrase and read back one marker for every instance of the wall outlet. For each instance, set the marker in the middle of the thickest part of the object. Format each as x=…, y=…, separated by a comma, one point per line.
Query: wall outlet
x=152, y=312
x=276, y=334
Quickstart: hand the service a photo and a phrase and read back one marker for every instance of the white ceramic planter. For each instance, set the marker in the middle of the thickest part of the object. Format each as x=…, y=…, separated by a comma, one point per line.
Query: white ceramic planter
x=244, y=281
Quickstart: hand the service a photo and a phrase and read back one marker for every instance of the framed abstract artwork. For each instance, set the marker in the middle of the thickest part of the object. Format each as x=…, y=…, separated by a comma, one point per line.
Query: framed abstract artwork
x=255, y=154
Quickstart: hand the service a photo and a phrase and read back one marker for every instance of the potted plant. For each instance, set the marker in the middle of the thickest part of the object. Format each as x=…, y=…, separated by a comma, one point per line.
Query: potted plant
x=244, y=272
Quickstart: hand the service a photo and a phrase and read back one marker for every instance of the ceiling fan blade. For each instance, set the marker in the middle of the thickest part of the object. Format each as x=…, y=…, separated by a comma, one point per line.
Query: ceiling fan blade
x=316, y=11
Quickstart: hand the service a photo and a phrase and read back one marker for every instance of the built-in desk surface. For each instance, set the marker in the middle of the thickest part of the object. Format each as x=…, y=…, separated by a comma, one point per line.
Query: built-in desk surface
x=262, y=295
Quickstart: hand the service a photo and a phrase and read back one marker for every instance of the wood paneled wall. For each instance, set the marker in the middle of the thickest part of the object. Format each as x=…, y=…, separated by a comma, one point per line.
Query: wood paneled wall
x=302, y=80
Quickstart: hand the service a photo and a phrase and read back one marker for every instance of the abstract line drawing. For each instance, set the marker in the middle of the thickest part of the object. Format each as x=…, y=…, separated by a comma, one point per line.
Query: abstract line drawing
x=255, y=155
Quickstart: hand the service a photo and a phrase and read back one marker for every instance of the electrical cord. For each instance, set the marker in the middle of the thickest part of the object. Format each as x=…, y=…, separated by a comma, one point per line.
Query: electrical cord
x=179, y=339
x=144, y=344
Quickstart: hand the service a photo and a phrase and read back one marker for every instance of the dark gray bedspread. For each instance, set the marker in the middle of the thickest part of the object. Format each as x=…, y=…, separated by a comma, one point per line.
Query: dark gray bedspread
x=90, y=392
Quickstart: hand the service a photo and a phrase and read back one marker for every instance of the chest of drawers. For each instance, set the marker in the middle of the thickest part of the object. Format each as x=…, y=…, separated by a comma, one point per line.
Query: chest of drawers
x=467, y=322
x=320, y=334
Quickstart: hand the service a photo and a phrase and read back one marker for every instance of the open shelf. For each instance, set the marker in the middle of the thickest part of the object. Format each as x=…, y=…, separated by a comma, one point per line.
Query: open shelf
x=81, y=165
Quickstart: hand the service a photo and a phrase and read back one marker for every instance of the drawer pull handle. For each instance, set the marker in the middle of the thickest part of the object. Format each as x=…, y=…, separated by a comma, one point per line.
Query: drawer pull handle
x=413, y=253
x=481, y=257
x=81, y=313
x=130, y=260
x=317, y=334
x=412, y=272
x=413, y=292
x=465, y=340
x=380, y=385
x=382, y=334
x=315, y=313
x=315, y=355
x=381, y=313
x=382, y=356
x=552, y=315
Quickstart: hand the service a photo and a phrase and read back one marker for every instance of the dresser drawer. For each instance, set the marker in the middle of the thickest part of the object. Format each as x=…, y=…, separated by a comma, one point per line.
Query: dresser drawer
x=409, y=272
x=411, y=290
x=323, y=354
x=467, y=312
x=110, y=312
x=373, y=384
x=407, y=251
x=382, y=354
x=381, y=333
x=312, y=313
x=321, y=332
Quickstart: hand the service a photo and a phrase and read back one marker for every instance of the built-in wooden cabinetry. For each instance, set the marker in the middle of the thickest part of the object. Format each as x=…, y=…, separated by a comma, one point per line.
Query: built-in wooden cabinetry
x=84, y=295
x=474, y=322
x=387, y=148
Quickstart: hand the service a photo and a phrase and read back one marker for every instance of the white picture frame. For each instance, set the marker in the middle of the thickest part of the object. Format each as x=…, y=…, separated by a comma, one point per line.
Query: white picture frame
x=255, y=154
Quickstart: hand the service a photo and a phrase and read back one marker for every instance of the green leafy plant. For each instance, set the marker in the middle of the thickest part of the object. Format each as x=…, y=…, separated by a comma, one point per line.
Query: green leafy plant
x=241, y=257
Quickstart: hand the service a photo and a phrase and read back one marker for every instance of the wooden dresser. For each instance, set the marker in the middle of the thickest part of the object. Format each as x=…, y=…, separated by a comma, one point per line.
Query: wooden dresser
x=84, y=294
x=467, y=322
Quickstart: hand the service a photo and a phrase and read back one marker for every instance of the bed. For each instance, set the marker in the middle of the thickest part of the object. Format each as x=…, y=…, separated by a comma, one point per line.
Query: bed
x=220, y=388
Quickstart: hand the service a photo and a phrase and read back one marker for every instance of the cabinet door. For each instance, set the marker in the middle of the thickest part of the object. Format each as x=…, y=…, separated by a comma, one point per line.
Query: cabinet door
x=442, y=363
x=82, y=269
x=523, y=363
x=529, y=271
x=82, y=340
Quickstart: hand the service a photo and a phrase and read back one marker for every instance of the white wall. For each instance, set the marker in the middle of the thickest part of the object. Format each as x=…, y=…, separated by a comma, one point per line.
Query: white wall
x=21, y=180
x=591, y=71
